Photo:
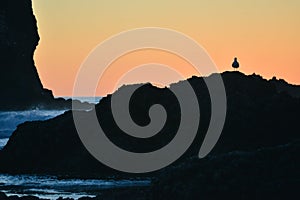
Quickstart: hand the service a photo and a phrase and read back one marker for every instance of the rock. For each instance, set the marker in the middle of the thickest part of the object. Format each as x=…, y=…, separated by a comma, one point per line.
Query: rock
x=284, y=87
x=267, y=173
x=20, y=85
x=257, y=116
x=3, y=196
x=19, y=80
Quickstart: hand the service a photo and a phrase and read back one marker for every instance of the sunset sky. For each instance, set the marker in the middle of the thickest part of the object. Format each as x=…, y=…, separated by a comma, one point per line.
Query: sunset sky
x=263, y=34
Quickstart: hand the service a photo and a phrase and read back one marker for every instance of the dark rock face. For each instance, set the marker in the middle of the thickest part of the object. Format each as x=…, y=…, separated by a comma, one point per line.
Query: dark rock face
x=20, y=86
x=19, y=80
x=283, y=86
x=59, y=146
x=257, y=116
x=268, y=173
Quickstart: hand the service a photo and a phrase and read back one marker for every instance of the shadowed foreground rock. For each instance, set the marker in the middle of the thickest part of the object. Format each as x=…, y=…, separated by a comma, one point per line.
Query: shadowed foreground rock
x=267, y=173
x=258, y=116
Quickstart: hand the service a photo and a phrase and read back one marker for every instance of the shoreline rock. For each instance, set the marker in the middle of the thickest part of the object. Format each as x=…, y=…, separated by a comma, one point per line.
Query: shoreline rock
x=257, y=116
x=20, y=85
x=266, y=173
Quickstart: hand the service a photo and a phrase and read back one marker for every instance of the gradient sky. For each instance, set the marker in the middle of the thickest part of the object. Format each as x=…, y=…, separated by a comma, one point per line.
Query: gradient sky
x=263, y=34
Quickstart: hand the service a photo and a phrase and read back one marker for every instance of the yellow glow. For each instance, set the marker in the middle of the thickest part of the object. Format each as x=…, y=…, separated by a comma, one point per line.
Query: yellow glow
x=263, y=34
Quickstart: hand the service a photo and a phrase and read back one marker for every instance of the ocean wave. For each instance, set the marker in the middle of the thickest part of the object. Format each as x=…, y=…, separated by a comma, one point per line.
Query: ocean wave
x=9, y=120
x=3, y=142
x=50, y=187
x=93, y=100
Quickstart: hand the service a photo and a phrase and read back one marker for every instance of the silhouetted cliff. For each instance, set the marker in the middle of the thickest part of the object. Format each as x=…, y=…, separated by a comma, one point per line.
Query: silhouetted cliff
x=20, y=86
x=19, y=80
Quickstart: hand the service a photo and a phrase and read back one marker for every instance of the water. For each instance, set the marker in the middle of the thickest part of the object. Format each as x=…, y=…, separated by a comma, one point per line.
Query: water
x=50, y=187
x=3, y=142
x=11, y=119
x=93, y=100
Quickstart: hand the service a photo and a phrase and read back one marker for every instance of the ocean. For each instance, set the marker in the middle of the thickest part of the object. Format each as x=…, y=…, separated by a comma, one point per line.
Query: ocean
x=50, y=187
x=11, y=119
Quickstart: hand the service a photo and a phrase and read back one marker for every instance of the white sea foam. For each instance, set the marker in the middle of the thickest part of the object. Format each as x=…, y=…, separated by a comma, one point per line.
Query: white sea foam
x=93, y=100
x=11, y=119
x=3, y=142
x=51, y=188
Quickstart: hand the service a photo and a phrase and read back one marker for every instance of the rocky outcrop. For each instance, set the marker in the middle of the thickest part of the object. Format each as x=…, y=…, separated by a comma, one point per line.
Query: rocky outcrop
x=257, y=116
x=20, y=86
x=19, y=80
x=267, y=173
x=283, y=86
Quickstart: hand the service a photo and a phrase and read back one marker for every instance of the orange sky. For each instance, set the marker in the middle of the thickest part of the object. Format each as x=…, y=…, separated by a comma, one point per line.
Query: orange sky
x=263, y=34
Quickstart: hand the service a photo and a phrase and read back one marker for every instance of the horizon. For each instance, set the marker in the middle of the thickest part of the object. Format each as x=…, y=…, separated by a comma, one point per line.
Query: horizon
x=267, y=42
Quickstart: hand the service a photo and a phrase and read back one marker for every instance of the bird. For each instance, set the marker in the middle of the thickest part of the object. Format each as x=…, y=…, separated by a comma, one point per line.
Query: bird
x=235, y=64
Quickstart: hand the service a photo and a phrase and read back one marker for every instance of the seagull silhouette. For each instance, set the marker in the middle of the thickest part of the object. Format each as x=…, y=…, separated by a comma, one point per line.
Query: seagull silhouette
x=235, y=64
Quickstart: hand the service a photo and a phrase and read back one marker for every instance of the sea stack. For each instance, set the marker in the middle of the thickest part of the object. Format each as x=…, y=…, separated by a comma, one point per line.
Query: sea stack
x=20, y=85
